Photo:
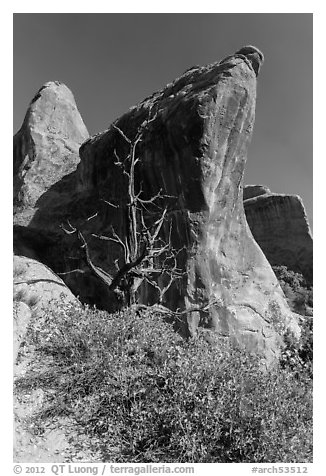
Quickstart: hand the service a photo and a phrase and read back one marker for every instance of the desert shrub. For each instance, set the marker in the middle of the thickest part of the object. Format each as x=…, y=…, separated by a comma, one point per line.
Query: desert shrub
x=297, y=291
x=298, y=356
x=144, y=394
x=294, y=279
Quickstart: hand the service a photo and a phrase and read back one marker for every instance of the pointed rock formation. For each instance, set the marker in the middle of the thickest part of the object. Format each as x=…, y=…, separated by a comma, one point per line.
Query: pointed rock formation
x=192, y=151
x=194, y=148
x=280, y=226
x=46, y=148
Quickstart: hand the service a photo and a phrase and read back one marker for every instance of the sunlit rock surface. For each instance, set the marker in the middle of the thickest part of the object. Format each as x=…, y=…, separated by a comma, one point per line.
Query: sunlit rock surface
x=280, y=226
x=193, y=150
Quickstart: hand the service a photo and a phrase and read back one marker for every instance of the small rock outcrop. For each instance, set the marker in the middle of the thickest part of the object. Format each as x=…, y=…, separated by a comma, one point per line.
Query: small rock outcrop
x=36, y=288
x=46, y=149
x=192, y=153
x=280, y=226
x=251, y=191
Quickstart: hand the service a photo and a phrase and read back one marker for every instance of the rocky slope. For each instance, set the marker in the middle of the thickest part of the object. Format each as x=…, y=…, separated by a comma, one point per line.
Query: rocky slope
x=280, y=226
x=191, y=152
x=46, y=149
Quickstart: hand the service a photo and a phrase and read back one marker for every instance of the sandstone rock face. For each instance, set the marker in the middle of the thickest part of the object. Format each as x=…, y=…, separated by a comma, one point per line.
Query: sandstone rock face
x=192, y=151
x=193, y=148
x=35, y=282
x=280, y=226
x=46, y=149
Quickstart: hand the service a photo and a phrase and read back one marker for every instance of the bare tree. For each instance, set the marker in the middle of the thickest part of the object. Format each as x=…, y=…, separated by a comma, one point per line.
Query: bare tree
x=144, y=256
x=146, y=251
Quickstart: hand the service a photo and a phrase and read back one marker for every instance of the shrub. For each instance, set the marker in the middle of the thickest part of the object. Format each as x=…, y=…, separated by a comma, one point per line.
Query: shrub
x=297, y=292
x=298, y=357
x=143, y=394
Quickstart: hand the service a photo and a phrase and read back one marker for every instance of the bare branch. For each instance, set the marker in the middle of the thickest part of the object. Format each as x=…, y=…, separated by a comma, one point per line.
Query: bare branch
x=166, y=288
x=125, y=269
x=93, y=216
x=77, y=270
x=109, y=203
x=158, y=224
x=121, y=133
x=107, y=238
x=176, y=314
x=103, y=275
x=68, y=232
x=123, y=244
x=146, y=256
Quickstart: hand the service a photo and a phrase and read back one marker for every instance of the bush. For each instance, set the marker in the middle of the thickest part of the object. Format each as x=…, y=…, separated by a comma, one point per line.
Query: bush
x=298, y=357
x=297, y=292
x=143, y=394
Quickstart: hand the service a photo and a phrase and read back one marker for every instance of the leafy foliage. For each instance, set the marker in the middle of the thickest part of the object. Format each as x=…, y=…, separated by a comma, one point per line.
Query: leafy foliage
x=297, y=292
x=298, y=357
x=300, y=299
x=143, y=394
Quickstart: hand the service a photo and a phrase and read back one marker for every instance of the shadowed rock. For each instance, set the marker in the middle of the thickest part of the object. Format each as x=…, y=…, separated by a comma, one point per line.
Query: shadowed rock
x=280, y=226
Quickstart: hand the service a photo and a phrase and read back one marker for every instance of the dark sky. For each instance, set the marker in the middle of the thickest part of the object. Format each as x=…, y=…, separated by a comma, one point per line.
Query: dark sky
x=112, y=61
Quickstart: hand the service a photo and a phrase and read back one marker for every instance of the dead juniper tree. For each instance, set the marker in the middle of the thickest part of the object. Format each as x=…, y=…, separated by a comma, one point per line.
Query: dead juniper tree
x=145, y=257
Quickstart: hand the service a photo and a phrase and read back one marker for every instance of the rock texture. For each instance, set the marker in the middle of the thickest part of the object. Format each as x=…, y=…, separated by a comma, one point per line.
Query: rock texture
x=251, y=191
x=35, y=280
x=46, y=149
x=36, y=288
x=193, y=150
x=280, y=226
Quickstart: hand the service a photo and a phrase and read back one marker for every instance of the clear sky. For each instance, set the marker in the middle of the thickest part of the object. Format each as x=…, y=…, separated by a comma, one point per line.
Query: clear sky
x=112, y=61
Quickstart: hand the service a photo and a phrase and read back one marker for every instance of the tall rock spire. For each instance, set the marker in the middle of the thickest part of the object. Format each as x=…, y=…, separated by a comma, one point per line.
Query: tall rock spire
x=46, y=146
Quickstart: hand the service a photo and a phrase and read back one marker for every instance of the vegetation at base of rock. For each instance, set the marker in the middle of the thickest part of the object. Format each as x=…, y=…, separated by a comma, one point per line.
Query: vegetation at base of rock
x=297, y=290
x=299, y=295
x=154, y=211
x=296, y=357
x=144, y=394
